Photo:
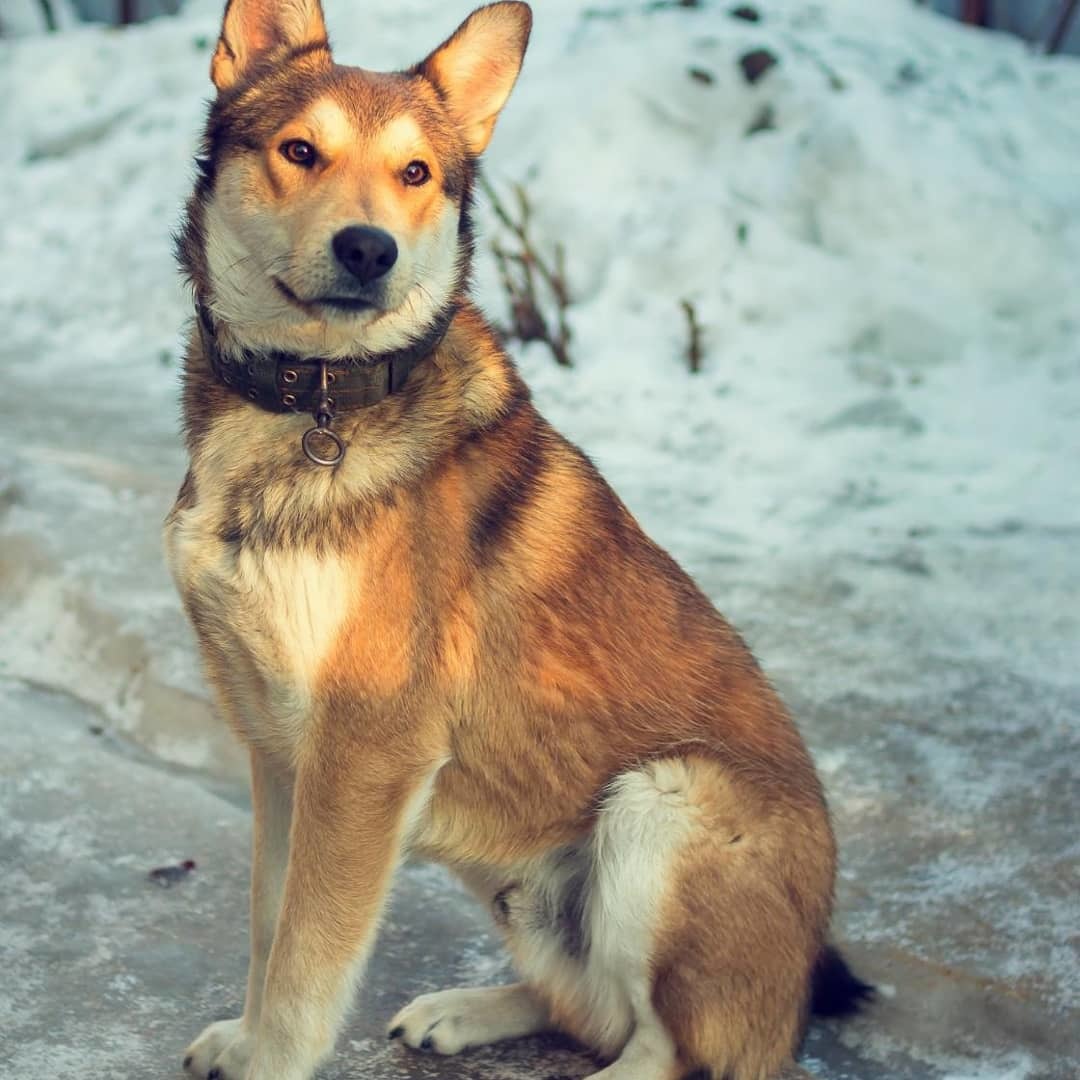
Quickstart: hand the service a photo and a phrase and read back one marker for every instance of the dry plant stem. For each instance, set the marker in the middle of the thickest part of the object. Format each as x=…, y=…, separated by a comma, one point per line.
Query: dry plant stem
x=695, y=349
x=835, y=79
x=1061, y=25
x=528, y=320
x=529, y=323
x=562, y=297
x=49, y=15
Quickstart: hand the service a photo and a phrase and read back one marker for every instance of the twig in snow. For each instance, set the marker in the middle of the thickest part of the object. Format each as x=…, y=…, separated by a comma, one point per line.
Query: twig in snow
x=49, y=15
x=695, y=347
x=525, y=272
x=836, y=81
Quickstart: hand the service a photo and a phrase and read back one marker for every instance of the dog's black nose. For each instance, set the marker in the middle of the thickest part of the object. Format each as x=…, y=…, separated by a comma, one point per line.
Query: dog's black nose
x=367, y=253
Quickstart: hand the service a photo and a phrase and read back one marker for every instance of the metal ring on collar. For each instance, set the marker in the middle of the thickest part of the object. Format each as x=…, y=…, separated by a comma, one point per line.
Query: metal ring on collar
x=313, y=455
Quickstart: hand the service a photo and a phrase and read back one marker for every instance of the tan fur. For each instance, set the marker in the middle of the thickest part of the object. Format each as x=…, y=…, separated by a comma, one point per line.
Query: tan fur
x=458, y=643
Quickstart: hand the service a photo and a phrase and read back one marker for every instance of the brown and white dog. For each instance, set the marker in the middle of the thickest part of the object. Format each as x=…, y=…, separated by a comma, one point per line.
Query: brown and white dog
x=435, y=627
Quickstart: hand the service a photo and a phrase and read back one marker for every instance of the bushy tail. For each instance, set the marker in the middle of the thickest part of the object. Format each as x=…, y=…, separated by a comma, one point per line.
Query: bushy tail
x=835, y=989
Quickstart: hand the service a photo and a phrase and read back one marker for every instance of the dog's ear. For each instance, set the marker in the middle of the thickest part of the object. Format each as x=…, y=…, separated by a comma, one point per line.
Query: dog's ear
x=253, y=29
x=476, y=68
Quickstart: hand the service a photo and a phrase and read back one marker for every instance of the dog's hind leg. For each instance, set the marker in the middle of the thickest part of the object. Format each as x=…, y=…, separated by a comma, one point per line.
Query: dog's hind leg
x=743, y=921
x=450, y=1021
x=579, y=923
x=678, y=935
x=541, y=917
x=682, y=935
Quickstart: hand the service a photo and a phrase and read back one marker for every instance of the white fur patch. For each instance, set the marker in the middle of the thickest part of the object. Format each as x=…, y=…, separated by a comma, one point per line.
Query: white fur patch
x=331, y=129
x=244, y=296
x=607, y=988
x=304, y=597
x=283, y=609
x=643, y=823
x=402, y=138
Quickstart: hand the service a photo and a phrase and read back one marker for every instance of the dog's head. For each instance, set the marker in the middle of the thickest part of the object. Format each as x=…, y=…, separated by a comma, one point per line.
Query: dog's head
x=331, y=216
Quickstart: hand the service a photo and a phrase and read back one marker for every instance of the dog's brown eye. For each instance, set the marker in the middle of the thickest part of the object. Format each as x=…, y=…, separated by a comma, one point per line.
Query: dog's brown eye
x=416, y=173
x=298, y=152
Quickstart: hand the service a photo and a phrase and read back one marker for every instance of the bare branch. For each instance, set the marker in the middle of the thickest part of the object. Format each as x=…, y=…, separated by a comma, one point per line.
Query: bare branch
x=525, y=275
x=49, y=15
x=695, y=347
x=1062, y=24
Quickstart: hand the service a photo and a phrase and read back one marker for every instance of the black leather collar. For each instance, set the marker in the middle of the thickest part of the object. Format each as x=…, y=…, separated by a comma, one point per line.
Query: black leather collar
x=284, y=382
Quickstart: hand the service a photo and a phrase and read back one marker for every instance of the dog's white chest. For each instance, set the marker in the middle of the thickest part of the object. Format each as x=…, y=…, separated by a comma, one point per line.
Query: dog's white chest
x=267, y=620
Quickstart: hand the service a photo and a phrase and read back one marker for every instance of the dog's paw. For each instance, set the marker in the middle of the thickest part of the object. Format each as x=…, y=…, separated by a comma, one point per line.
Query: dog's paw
x=436, y=1022
x=451, y=1021
x=221, y=1052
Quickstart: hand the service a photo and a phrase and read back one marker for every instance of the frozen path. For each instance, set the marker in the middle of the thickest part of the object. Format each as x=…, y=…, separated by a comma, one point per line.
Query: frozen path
x=108, y=974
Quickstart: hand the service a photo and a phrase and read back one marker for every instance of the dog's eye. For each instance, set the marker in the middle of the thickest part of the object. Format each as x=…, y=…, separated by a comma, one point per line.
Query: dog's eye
x=416, y=173
x=298, y=152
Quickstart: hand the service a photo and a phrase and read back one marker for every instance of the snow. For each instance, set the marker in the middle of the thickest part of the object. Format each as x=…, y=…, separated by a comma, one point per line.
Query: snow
x=875, y=475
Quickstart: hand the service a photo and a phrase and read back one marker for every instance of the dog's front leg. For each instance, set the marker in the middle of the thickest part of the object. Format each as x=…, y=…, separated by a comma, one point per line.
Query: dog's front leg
x=227, y=1045
x=350, y=810
x=272, y=797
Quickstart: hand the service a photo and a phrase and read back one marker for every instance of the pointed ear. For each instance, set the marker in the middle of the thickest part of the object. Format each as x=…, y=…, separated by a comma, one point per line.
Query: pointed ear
x=476, y=68
x=253, y=29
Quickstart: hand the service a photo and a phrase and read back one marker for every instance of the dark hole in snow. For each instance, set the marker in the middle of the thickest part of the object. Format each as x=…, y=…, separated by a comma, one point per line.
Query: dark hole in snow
x=909, y=73
x=745, y=12
x=756, y=63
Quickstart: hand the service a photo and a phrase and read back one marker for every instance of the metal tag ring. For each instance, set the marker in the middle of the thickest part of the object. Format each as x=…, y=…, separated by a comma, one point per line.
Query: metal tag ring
x=313, y=455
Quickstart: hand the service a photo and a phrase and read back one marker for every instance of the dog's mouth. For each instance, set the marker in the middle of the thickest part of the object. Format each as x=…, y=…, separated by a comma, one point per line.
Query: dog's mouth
x=344, y=303
x=354, y=304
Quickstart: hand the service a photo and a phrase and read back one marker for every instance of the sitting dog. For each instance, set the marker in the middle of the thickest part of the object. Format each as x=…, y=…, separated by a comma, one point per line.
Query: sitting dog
x=438, y=631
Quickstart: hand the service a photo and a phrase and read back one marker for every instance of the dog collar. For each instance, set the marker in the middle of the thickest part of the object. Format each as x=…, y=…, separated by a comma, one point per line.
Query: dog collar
x=284, y=382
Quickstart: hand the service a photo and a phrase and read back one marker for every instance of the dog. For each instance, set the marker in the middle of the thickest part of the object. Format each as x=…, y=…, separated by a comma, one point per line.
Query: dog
x=435, y=627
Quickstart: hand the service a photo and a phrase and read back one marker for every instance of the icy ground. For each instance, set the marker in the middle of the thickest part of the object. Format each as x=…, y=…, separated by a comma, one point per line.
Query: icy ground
x=876, y=476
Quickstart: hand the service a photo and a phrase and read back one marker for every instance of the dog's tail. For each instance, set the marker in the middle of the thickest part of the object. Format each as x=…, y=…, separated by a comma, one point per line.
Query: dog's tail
x=835, y=989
